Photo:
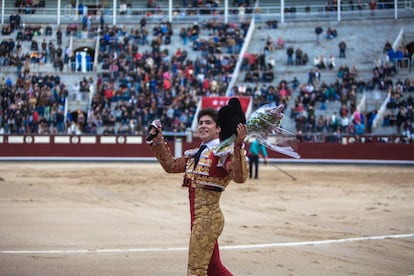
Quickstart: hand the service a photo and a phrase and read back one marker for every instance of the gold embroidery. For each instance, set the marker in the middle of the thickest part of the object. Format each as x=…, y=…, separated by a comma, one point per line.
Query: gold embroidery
x=170, y=164
x=208, y=225
x=238, y=166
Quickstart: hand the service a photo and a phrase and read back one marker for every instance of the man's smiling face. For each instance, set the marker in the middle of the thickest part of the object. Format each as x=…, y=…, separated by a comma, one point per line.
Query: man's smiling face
x=207, y=129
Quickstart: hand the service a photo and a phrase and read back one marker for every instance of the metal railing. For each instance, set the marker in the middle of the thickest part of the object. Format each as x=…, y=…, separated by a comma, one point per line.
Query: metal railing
x=67, y=14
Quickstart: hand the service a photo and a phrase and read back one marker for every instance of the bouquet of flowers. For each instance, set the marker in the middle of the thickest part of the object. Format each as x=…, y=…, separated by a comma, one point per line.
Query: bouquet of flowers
x=264, y=124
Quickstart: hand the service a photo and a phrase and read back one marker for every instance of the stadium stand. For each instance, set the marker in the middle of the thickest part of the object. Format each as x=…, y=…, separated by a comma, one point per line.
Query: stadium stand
x=92, y=77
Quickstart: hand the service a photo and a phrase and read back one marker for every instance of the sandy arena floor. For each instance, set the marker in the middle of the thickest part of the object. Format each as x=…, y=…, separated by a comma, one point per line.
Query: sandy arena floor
x=133, y=219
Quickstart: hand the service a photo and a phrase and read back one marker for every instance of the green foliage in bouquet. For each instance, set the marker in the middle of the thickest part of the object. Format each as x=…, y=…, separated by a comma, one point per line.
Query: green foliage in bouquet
x=264, y=122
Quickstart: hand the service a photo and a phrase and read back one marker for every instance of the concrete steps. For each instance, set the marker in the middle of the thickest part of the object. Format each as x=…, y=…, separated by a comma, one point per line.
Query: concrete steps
x=360, y=52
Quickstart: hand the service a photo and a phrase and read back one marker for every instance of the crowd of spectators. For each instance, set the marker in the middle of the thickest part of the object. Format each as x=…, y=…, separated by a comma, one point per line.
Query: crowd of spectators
x=34, y=103
x=308, y=109
x=315, y=95
x=135, y=86
x=29, y=6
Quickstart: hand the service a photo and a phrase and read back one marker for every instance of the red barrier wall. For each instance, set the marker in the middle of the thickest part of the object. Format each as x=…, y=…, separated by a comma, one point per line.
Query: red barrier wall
x=135, y=147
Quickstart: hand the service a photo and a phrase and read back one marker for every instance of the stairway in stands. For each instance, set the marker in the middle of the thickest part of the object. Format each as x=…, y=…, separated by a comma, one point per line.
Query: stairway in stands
x=364, y=43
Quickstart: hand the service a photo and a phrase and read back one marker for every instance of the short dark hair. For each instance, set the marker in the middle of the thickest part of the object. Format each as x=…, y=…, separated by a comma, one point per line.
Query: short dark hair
x=209, y=112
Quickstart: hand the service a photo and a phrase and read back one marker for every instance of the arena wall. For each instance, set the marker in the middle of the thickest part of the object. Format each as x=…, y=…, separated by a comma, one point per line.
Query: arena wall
x=33, y=147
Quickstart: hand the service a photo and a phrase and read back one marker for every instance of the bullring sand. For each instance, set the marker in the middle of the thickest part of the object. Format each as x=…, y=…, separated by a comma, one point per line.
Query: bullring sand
x=133, y=219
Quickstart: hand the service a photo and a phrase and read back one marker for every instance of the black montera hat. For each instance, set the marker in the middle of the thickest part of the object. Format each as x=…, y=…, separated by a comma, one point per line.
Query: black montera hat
x=229, y=117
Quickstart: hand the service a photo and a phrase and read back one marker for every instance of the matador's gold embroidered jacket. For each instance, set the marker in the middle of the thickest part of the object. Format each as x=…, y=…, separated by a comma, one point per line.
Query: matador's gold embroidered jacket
x=214, y=170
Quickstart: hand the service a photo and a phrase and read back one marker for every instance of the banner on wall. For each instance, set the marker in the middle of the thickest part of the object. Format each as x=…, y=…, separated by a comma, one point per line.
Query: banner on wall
x=218, y=102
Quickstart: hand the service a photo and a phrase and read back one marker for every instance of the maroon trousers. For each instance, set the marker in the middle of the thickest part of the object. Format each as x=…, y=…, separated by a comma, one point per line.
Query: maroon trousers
x=215, y=268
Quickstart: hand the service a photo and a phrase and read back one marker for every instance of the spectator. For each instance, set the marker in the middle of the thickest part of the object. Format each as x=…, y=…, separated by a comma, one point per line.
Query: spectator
x=122, y=8
x=342, y=49
x=280, y=43
x=289, y=53
x=334, y=122
x=318, y=32
x=331, y=62
x=299, y=56
x=331, y=33
x=372, y=6
x=256, y=151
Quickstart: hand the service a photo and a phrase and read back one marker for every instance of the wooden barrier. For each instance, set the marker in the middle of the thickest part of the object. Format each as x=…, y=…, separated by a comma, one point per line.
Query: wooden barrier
x=124, y=146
